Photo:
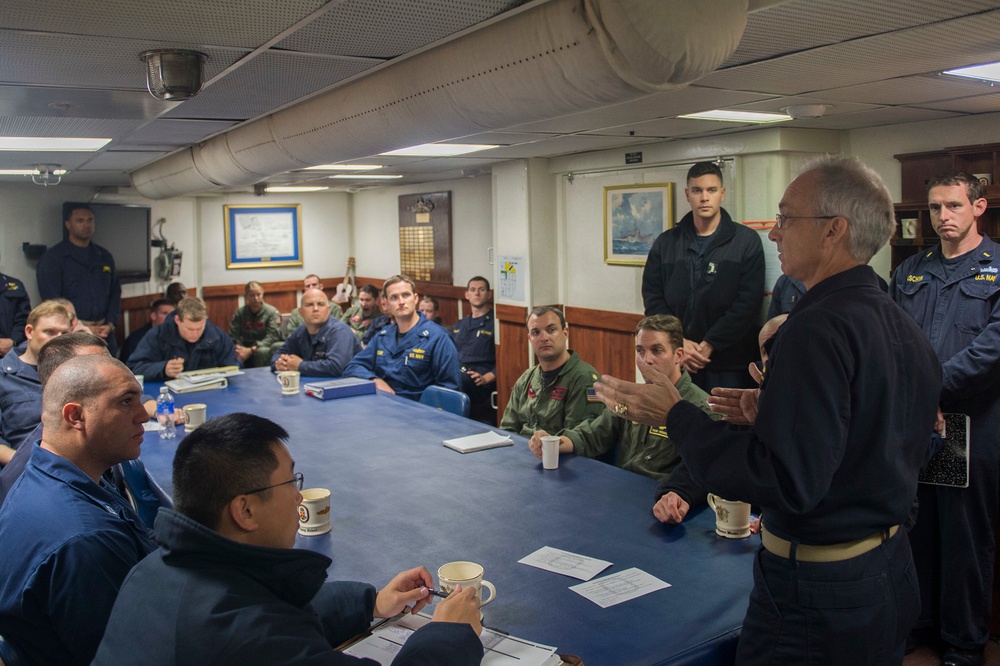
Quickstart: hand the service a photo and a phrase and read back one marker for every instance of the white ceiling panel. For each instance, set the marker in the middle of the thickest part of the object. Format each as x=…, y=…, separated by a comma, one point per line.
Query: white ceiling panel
x=241, y=23
x=390, y=28
x=121, y=160
x=74, y=61
x=265, y=82
x=969, y=41
x=564, y=145
x=804, y=24
x=978, y=104
x=907, y=90
x=873, y=118
x=26, y=160
x=685, y=100
x=79, y=103
x=176, y=132
x=776, y=104
x=97, y=128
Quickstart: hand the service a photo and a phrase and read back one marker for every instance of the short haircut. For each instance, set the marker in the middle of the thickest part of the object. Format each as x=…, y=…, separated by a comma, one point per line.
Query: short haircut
x=973, y=187
x=225, y=457
x=191, y=308
x=49, y=308
x=251, y=284
x=313, y=275
x=159, y=303
x=173, y=291
x=699, y=169
x=541, y=310
x=370, y=289
x=60, y=349
x=395, y=279
x=77, y=379
x=76, y=207
x=478, y=278
x=325, y=297
x=432, y=300
x=662, y=323
x=849, y=189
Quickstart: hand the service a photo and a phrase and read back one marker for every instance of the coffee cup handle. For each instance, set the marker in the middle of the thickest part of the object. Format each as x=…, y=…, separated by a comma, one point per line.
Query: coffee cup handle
x=493, y=593
x=711, y=500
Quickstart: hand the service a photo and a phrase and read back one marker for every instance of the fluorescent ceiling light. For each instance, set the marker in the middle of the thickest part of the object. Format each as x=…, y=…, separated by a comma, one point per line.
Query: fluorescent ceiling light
x=988, y=72
x=738, y=116
x=440, y=149
x=296, y=188
x=51, y=143
x=344, y=167
x=366, y=176
x=30, y=172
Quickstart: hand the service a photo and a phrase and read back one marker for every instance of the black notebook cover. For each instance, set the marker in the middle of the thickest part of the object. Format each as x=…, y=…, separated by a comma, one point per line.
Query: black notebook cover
x=950, y=465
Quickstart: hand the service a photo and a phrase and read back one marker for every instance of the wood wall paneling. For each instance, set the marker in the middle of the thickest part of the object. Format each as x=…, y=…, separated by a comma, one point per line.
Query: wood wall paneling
x=605, y=340
x=512, y=352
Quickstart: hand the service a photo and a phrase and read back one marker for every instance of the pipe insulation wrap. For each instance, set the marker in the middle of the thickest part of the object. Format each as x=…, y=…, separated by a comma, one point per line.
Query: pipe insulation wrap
x=559, y=58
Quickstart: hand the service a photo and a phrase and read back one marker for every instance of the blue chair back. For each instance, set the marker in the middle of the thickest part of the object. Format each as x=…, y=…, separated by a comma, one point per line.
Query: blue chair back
x=447, y=399
x=9, y=655
x=145, y=495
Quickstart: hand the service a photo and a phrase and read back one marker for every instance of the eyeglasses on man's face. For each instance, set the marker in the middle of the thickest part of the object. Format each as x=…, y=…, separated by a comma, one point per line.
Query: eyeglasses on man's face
x=298, y=480
x=781, y=220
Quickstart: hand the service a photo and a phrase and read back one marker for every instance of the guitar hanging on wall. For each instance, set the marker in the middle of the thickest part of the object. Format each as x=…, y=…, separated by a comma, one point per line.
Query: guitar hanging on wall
x=347, y=289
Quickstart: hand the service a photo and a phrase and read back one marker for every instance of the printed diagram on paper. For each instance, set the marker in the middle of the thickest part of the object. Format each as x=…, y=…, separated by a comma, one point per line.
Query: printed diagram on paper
x=565, y=563
x=616, y=588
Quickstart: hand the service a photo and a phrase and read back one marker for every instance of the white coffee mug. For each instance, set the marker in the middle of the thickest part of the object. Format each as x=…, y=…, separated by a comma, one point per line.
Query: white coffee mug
x=550, y=452
x=732, y=518
x=314, y=511
x=194, y=415
x=465, y=574
x=289, y=380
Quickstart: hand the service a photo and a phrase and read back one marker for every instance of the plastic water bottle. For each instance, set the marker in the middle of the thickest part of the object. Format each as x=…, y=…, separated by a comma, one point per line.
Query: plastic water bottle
x=165, y=414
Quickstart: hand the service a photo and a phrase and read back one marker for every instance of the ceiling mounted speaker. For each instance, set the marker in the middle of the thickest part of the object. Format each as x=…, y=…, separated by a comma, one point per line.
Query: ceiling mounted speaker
x=173, y=74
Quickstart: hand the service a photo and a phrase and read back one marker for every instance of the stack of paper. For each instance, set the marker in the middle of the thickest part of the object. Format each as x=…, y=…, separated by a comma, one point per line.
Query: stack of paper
x=480, y=442
x=202, y=380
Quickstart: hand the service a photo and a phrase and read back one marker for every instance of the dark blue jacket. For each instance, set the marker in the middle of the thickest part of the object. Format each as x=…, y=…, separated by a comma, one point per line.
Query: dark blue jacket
x=786, y=293
x=212, y=350
x=424, y=356
x=14, y=309
x=326, y=354
x=203, y=600
x=473, y=338
x=848, y=399
x=85, y=276
x=68, y=543
x=961, y=317
x=717, y=297
x=20, y=400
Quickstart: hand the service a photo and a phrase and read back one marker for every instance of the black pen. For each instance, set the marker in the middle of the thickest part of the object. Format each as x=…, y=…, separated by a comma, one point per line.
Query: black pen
x=435, y=593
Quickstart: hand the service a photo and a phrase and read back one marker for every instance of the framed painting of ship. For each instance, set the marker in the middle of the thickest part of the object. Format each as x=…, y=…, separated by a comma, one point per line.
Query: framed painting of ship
x=634, y=215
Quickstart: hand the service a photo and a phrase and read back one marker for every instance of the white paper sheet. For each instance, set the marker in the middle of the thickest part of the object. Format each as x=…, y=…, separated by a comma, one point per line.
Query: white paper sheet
x=565, y=563
x=618, y=587
x=499, y=650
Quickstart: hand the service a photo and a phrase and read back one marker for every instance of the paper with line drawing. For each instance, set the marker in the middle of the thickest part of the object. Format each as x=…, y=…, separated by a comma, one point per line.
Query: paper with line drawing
x=565, y=563
x=616, y=588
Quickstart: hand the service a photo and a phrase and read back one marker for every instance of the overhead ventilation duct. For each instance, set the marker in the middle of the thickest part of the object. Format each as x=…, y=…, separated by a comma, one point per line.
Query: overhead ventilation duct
x=559, y=58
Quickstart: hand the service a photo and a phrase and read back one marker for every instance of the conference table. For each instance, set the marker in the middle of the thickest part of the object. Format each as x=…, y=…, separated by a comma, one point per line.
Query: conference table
x=401, y=499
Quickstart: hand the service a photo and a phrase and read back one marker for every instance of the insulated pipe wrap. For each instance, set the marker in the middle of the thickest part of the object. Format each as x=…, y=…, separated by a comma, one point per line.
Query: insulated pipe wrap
x=559, y=58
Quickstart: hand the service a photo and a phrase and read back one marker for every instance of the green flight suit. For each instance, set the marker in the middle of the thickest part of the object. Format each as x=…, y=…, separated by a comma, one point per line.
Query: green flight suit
x=262, y=329
x=641, y=449
x=562, y=404
x=355, y=318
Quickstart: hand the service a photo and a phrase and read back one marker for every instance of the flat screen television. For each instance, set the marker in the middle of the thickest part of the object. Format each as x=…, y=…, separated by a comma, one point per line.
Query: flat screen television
x=124, y=231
